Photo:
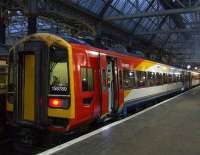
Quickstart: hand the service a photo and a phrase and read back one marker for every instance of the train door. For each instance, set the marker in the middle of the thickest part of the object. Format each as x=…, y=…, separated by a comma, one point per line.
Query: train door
x=27, y=86
x=103, y=86
x=31, y=72
x=115, y=88
x=111, y=83
x=120, y=105
x=90, y=91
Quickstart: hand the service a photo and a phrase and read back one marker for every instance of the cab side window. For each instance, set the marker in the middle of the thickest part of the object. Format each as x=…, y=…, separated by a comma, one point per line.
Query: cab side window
x=87, y=78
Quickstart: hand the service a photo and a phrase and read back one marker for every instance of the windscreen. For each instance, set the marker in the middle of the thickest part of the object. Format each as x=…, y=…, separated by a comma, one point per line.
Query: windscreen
x=58, y=71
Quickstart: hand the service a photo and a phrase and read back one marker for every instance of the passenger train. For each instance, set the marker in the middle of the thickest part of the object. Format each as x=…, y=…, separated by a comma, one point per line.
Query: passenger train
x=61, y=84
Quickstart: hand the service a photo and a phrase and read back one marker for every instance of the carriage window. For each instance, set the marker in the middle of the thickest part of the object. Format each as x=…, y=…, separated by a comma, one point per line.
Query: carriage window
x=58, y=69
x=178, y=76
x=129, y=79
x=159, y=78
x=165, y=79
x=170, y=78
x=181, y=78
x=151, y=78
x=87, y=79
x=141, y=78
x=173, y=78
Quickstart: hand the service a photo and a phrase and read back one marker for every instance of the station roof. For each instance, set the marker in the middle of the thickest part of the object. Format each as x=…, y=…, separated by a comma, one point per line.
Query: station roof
x=177, y=31
x=170, y=25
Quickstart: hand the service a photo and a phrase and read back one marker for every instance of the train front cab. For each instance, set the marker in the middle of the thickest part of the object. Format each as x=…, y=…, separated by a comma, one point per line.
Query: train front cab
x=40, y=85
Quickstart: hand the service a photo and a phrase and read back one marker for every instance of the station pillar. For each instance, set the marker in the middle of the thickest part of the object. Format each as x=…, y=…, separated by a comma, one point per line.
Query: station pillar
x=2, y=30
x=32, y=24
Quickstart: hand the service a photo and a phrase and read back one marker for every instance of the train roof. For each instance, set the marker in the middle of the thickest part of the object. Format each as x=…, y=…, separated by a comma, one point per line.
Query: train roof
x=51, y=38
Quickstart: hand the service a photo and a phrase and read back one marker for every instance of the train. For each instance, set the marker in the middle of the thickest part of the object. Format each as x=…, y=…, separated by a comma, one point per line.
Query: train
x=60, y=84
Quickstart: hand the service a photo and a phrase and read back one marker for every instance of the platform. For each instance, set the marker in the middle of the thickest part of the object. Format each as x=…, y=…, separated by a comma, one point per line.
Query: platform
x=169, y=128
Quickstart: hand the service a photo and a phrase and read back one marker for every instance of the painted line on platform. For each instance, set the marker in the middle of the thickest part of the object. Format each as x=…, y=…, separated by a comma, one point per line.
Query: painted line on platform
x=88, y=135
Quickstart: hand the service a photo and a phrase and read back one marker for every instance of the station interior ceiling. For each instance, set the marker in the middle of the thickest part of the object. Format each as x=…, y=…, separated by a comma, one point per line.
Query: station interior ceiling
x=163, y=30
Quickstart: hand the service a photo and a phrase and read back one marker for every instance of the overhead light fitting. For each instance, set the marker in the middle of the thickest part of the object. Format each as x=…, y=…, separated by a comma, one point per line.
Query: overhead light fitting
x=188, y=66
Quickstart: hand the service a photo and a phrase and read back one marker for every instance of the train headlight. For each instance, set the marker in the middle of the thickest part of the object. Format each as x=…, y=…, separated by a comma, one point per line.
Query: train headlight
x=58, y=103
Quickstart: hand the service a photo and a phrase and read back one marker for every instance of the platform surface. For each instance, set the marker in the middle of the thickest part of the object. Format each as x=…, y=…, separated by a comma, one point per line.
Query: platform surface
x=172, y=128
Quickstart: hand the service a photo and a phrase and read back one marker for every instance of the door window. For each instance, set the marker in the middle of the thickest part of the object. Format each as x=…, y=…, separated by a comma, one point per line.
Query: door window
x=104, y=79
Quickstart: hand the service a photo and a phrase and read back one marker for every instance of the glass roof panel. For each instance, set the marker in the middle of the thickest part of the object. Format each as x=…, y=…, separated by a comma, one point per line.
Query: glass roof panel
x=143, y=4
x=17, y=28
x=18, y=24
x=94, y=6
x=126, y=7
